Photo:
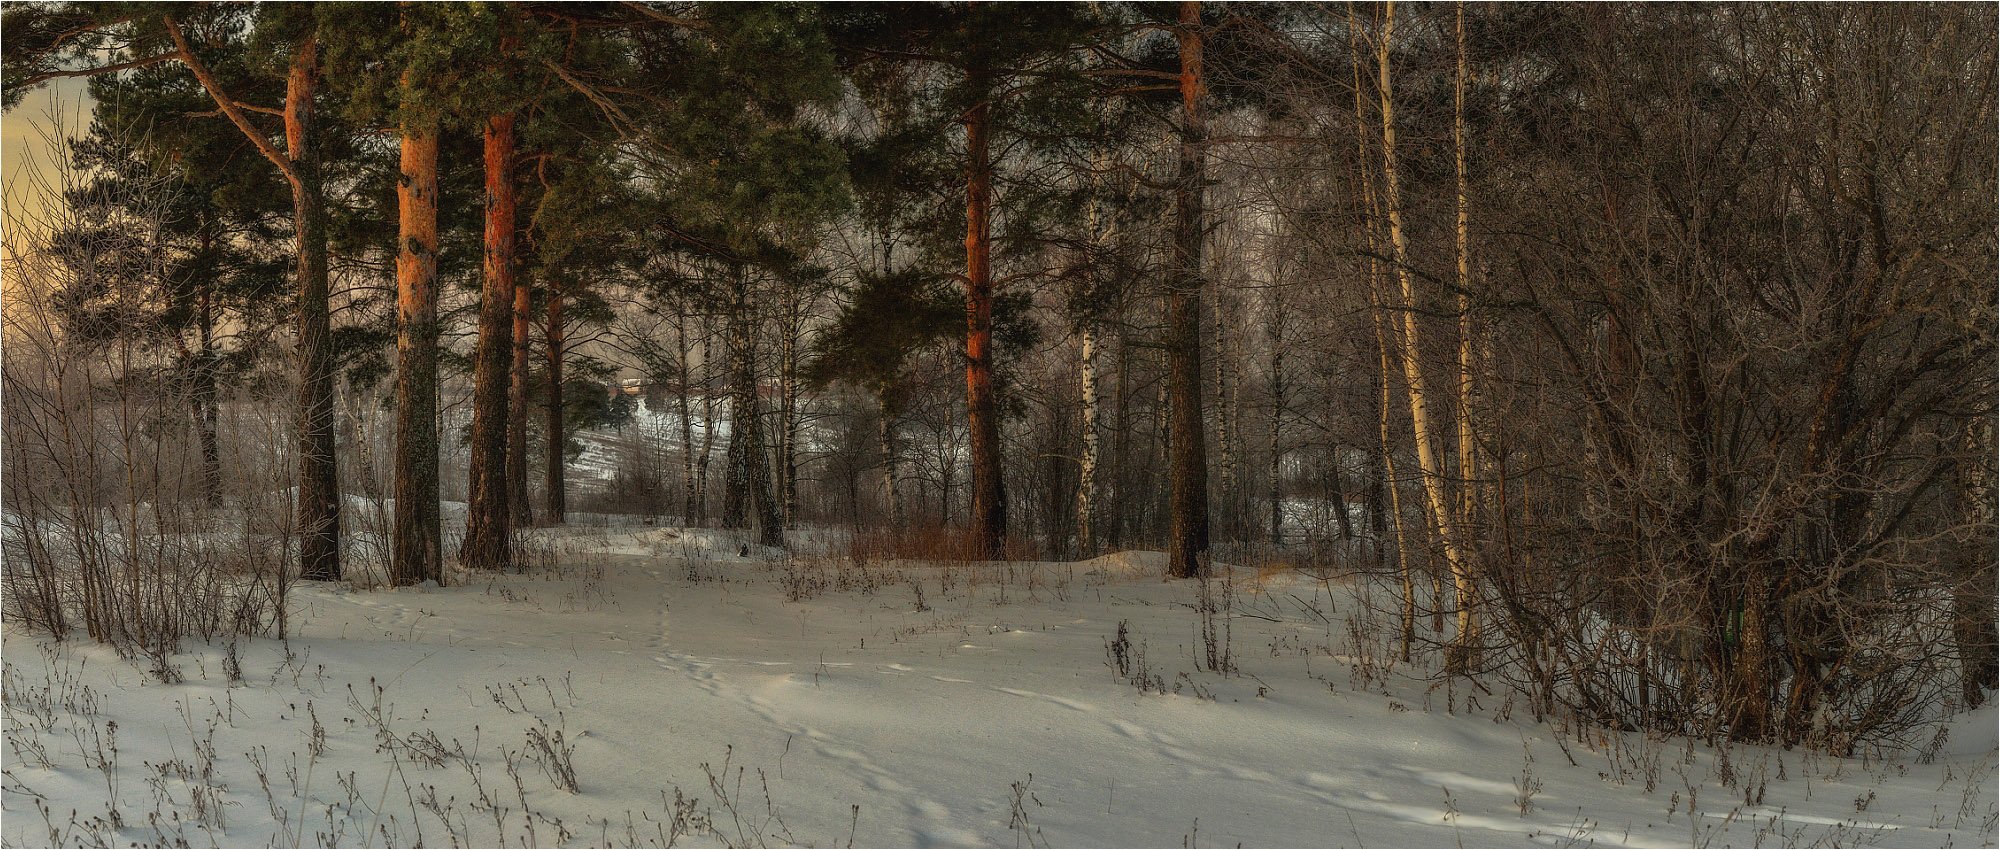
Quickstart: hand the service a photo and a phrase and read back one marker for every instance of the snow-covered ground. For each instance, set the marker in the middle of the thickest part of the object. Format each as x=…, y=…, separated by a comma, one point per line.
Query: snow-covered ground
x=647, y=686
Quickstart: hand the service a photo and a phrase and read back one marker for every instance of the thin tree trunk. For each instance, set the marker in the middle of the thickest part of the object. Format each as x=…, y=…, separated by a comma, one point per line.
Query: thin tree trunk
x=701, y=462
x=1278, y=400
x=788, y=415
x=522, y=512
x=558, y=437
x=1086, y=490
x=1227, y=428
x=1121, y=447
x=891, y=483
x=204, y=394
x=1187, y=463
x=742, y=402
x=1384, y=351
x=1428, y=462
x=682, y=351
x=989, y=493
x=1161, y=505
x=488, y=514
x=1468, y=449
x=415, y=555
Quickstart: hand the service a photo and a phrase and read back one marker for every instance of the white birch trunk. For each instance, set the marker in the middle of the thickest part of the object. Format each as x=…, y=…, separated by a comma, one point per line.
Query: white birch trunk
x=1428, y=461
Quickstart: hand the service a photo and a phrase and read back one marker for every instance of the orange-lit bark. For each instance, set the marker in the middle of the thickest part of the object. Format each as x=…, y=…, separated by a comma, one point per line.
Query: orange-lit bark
x=488, y=517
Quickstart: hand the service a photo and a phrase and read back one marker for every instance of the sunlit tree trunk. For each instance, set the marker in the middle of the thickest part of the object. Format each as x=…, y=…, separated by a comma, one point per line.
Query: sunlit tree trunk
x=1428, y=463
x=989, y=493
x=319, y=471
x=1469, y=472
x=414, y=555
x=1386, y=482
x=488, y=510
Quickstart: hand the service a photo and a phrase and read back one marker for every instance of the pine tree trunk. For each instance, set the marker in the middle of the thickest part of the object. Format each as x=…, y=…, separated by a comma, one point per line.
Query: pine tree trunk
x=488, y=510
x=788, y=417
x=1187, y=462
x=556, y=432
x=319, y=472
x=749, y=485
x=736, y=456
x=989, y=493
x=1428, y=462
x=415, y=555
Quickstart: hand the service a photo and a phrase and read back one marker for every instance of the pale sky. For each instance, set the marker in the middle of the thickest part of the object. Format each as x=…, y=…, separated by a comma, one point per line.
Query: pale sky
x=23, y=131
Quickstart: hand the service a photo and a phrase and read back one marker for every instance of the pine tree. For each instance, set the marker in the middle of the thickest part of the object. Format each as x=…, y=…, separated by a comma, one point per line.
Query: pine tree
x=1004, y=61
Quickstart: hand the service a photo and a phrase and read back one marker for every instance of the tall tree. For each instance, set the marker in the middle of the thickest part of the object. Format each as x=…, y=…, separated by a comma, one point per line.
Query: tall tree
x=489, y=503
x=1001, y=59
x=1442, y=512
x=1187, y=458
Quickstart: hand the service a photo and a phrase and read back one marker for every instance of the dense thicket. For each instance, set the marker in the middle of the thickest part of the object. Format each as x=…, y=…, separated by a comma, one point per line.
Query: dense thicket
x=1645, y=354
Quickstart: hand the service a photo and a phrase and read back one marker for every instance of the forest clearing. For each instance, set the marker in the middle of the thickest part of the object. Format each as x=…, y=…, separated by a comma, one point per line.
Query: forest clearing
x=657, y=688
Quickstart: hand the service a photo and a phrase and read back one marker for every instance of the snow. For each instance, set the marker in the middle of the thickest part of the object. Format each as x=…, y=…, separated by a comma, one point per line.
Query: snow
x=982, y=711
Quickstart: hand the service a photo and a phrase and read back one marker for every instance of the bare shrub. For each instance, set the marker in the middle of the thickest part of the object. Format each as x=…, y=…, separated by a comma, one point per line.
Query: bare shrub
x=116, y=520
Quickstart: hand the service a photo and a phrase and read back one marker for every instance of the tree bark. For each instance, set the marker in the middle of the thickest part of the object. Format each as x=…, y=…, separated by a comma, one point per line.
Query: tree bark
x=750, y=465
x=319, y=472
x=488, y=515
x=788, y=415
x=203, y=397
x=891, y=484
x=415, y=555
x=1228, y=516
x=521, y=511
x=1468, y=447
x=1086, y=489
x=686, y=410
x=1187, y=462
x=989, y=493
x=1407, y=622
x=556, y=508
x=318, y=511
x=1278, y=400
x=1428, y=463
x=702, y=461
